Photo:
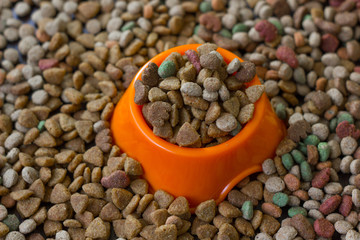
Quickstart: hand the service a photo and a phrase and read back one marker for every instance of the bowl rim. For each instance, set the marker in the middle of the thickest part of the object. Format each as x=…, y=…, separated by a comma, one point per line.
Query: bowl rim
x=234, y=142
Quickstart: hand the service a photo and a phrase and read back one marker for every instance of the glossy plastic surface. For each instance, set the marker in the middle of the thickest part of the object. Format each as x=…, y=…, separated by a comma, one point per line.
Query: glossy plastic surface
x=203, y=173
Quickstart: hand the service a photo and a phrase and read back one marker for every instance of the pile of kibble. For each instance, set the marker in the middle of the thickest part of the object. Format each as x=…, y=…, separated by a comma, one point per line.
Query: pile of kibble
x=193, y=99
x=65, y=64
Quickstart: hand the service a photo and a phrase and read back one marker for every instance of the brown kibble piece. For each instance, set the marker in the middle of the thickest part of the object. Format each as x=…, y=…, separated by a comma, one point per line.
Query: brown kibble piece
x=150, y=75
x=159, y=216
x=254, y=92
x=244, y=227
x=187, y=135
x=157, y=113
x=110, y=213
x=228, y=210
x=179, y=206
x=206, y=211
x=166, y=232
x=246, y=113
x=141, y=93
x=79, y=202
x=98, y=229
x=132, y=227
x=121, y=197
x=28, y=207
x=163, y=198
x=59, y=194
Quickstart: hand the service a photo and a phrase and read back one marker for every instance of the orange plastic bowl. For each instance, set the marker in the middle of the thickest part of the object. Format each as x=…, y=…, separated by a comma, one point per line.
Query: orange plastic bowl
x=198, y=174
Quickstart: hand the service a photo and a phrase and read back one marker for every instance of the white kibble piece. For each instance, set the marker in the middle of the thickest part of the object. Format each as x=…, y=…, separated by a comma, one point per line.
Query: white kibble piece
x=334, y=217
x=286, y=233
x=321, y=130
x=268, y=167
x=352, y=235
x=29, y=174
x=226, y=122
x=356, y=197
x=233, y=66
x=210, y=96
x=224, y=93
x=330, y=59
x=39, y=97
x=336, y=96
x=134, y=7
x=10, y=178
x=348, y=145
x=27, y=226
x=191, y=89
x=354, y=165
x=263, y=236
x=22, y=9
x=311, y=118
x=333, y=188
x=343, y=226
x=70, y=7
x=295, y=117
x=15, y=235
x=3, y=212
x=275, y=184
x=14, y=140
x=36, y=82
x=316, y=214
x=114, y=24
x=62, y=235
x=212, y=84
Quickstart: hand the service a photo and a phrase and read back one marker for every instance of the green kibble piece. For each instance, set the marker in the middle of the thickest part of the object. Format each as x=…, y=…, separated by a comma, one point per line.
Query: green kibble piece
x=240, y=27
x=345, y=117
x=287, y=161
x=302, y=147
x=128, y=26
x=236, y=130
x=205, y=7
x=247, y=210
x=167, y=69
x=333, y=124
x=196, y=29
x=312, y=140
x=278, y=26
x=41, y=125
x=324, y=151
x=225, y=33
x=305, y=170
x=280, y=111
x=307, y=16
x=12, y=222
x=280, y=199
x=298, y=156
x=297, y=210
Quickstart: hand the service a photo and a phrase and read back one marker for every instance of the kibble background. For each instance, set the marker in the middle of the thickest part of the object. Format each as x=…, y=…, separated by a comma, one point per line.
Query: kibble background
x=343, y=177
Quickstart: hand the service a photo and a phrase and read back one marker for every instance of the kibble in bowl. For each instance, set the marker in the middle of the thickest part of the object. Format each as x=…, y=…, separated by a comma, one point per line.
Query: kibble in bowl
x=198, y=173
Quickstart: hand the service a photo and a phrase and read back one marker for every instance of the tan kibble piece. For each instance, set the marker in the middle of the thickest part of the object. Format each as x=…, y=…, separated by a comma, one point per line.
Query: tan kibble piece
x=232, y=106
x=76, y=233
x=206, y=211
x=98, y=229
x=110, y=213
x=170, y=83
x=187, y=135
x=3, y=229
x=253, y=189
x=178, y=222
x=72, y=223
x=132, y=227
x=28, y=207
x=132, y=167
x=84, y=218
x=67, y=123
x=96, y=105
x=196, y=102
x=131, y=207
x=95, y=190
x=227, y=231
x=45, y=140
x=31, y=135
x=28, y=119
x=269, y=225
x=59, y=212
x=257, y=218
x=228, y=210
x=52, y=227
x=64, y=157
x=244, y=227
x=163, y=198
x=95, y=205
x=40, y=216
x=38, y=189
x=156, y=94
x=119, y=228
x=165, y=131
x=60, y=194
x=159, y=216
x=206, y=231
x=73, y=95
x=54, y=75
x=215, y=132
x=144, y=202
x=21, y=194
x=79, y=202
x=85, y=130
x=166, y=232
x=121, y=197
x=246, y=113
x=139, y=186
x=254, y=92
x=57, y=176
x=175, y=98
x=179, y=206
x=212, y=113
x=94, y=156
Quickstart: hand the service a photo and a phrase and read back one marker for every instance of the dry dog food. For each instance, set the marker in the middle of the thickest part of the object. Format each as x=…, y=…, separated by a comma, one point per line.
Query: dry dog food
x=197, y=99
